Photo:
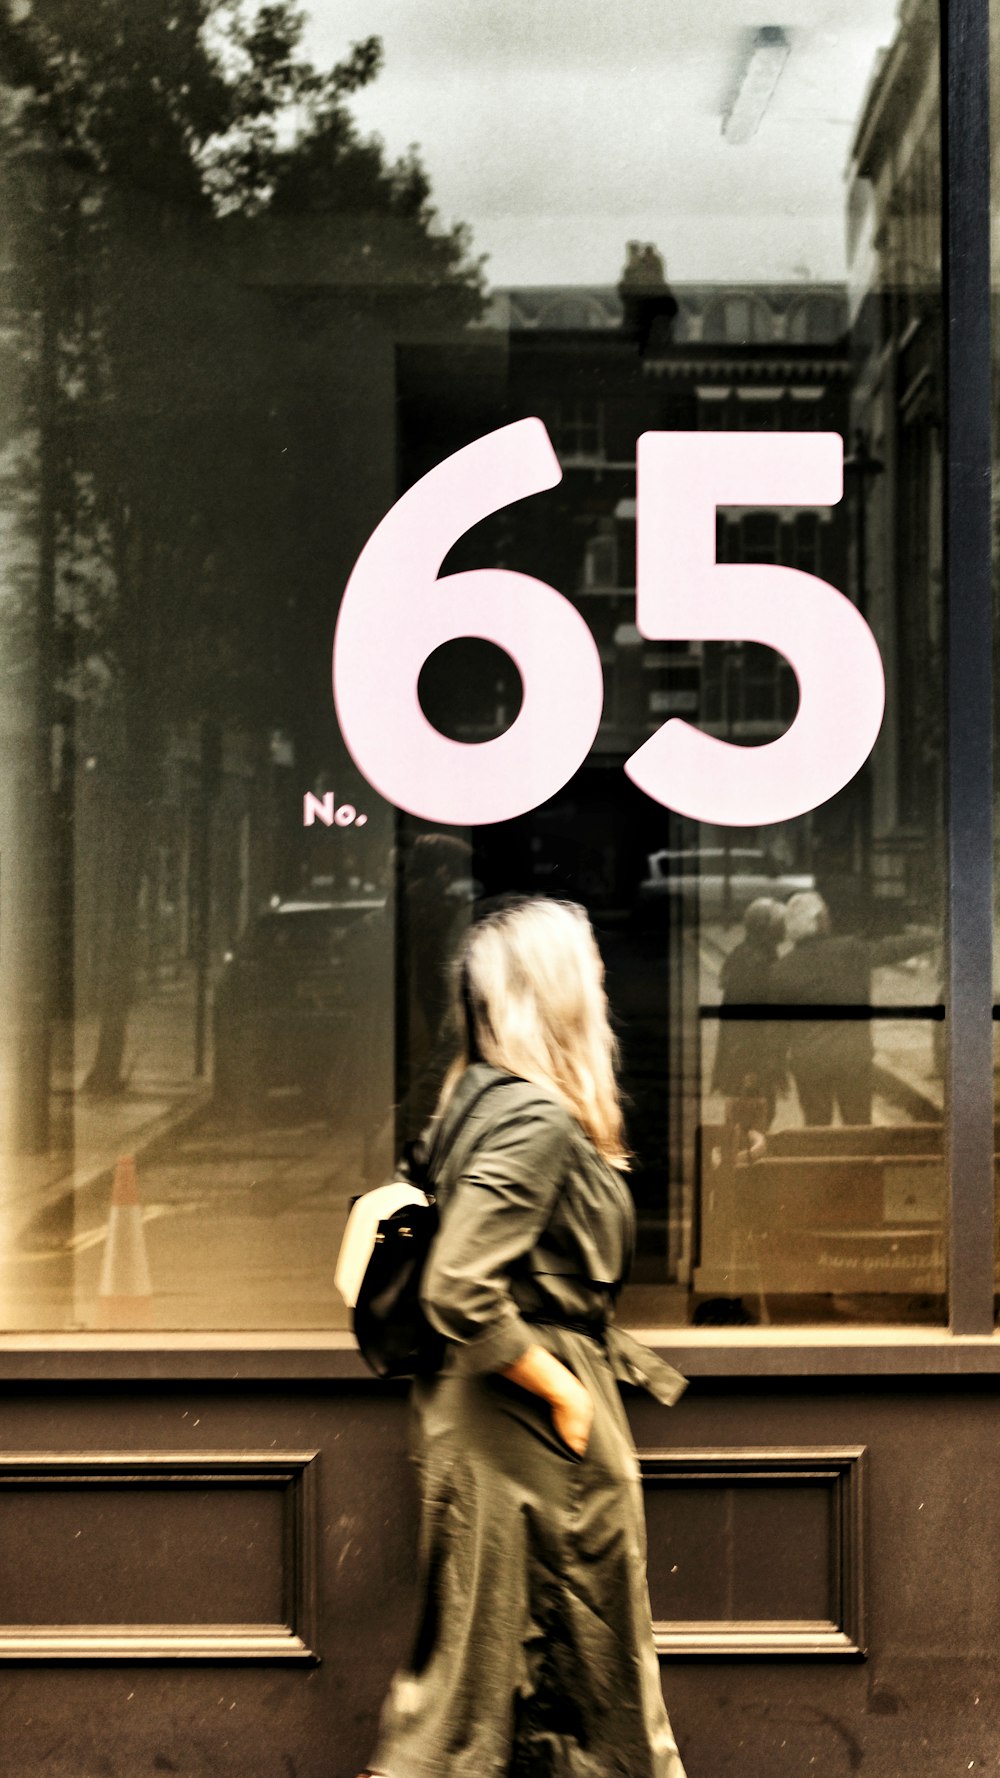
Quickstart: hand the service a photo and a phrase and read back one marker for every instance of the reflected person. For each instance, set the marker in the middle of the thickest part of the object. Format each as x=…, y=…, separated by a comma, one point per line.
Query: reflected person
x=832, y=1060
x=438, y=893
x=749, y=1058
x=428, y=902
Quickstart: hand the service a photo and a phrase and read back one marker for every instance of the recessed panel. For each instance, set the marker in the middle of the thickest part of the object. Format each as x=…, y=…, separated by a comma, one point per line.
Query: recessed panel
x=756, y=1551
x=154, y=1554
x=746, y=1550
x=138, y=1554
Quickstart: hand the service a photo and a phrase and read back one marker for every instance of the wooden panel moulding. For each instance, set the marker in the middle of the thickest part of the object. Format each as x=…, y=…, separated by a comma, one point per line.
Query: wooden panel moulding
x=285, y=1483
x=838, y=1473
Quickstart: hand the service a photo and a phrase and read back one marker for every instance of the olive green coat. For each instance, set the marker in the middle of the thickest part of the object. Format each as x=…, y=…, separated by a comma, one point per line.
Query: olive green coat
x=534, y=1655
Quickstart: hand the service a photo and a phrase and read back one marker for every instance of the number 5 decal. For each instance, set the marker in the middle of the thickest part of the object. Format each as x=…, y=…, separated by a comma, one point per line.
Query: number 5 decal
x=684, y=595
x=395, y=612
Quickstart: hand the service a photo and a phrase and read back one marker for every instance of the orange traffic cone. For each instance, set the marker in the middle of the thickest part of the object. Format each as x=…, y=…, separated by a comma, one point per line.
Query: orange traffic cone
x=125, y=1292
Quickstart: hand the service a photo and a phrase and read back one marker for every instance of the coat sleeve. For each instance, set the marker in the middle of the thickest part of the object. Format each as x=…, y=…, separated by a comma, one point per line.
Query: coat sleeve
x=901, y=946
x=498, y=1208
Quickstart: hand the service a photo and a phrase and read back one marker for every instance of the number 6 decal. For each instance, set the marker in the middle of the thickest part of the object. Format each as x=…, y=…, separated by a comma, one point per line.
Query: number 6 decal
x=683, y=594
x=395, y=612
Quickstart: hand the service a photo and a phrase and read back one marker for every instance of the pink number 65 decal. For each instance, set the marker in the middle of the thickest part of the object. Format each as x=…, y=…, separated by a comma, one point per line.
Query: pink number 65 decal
x=684, y=594
x=395, y=612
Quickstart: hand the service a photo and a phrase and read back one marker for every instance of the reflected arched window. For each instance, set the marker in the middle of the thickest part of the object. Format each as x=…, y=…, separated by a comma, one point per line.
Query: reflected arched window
x=738, y=321
x=573, y=311
x=815, y=319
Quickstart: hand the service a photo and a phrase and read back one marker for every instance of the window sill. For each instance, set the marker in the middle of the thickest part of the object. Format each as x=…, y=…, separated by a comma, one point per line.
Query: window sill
x=752, y=1353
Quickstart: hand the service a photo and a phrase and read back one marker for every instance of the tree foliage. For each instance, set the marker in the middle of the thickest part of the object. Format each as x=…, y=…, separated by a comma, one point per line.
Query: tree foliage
x=171, y=155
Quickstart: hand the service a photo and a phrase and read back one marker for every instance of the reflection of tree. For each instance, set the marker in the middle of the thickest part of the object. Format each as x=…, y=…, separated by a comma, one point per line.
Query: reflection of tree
x=169, y=167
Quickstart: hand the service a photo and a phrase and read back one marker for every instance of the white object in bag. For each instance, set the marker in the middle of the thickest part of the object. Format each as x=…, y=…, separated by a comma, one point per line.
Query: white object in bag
x=362, y=1226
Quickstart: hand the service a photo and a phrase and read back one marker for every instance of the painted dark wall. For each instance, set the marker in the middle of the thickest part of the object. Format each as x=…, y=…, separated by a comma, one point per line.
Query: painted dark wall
x=926, y=1698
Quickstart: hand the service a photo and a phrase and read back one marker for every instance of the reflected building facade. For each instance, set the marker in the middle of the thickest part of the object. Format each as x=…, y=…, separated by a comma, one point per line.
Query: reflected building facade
x=896, y=465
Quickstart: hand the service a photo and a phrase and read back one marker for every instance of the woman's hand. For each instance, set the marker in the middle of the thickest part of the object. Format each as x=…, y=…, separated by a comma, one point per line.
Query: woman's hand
x=571, y=1403
x=573, y=1415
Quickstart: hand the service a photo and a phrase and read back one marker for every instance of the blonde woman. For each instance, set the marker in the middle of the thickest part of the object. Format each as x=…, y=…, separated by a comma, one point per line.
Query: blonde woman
x=534, y=1655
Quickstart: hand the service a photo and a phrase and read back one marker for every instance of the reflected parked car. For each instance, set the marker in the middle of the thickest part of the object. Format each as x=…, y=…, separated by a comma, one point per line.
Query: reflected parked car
x=721, y=883
x=288, y=1001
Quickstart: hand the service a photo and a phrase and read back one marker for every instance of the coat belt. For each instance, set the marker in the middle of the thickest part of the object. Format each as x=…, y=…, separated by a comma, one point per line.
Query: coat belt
x=631, y=1361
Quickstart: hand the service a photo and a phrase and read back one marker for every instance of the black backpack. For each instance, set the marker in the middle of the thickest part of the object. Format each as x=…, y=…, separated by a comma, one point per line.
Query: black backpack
x=393, y=1333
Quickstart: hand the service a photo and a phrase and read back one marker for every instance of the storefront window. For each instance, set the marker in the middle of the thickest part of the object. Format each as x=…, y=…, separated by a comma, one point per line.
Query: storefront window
x=241, y=316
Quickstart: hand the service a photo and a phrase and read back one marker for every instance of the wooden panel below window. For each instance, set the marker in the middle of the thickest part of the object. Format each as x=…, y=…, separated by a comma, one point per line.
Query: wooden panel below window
x=756, y=1551
x=157, y=1555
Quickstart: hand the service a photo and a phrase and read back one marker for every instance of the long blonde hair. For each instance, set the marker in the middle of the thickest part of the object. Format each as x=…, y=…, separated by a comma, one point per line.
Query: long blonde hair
x=529, y=997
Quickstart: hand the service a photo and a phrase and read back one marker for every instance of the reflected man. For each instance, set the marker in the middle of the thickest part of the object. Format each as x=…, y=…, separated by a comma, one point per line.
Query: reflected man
x=749, y=1059
x=832, y=1060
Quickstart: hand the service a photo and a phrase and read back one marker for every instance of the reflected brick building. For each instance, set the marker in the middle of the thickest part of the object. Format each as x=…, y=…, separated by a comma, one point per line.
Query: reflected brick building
x=601, y=366
x=897, y=416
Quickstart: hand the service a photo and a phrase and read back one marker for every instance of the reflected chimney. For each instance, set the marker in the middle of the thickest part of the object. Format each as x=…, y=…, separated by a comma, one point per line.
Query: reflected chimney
x=649, y=307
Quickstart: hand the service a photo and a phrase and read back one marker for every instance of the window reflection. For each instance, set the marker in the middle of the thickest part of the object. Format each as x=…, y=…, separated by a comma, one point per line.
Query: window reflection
x=229, y=346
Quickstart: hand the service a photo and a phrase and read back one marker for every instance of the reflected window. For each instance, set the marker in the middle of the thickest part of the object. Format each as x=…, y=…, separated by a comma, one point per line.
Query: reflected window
x=578, y=428
x=573, y=311
x=815, y=320
x=739, y=321
x=600, y=560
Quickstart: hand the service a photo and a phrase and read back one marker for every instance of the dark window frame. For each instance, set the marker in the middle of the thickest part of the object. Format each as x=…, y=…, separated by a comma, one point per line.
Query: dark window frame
x=966, y=223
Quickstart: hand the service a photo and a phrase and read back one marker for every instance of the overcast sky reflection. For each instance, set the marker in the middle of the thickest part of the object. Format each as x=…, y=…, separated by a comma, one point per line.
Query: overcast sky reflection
x=559, y=129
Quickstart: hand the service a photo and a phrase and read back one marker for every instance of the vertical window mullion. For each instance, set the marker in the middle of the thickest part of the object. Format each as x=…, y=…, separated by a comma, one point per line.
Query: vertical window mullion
x=966, y=270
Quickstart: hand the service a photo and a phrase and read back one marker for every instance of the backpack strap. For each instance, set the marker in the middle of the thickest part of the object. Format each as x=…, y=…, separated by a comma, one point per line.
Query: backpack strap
x=439, y=1149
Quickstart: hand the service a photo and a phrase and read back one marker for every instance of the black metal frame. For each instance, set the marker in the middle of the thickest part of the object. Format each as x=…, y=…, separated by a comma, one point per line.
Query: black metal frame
x=965, y=185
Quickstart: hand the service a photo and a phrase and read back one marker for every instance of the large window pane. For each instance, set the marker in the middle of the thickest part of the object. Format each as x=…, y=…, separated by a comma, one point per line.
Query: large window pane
x=234, y=332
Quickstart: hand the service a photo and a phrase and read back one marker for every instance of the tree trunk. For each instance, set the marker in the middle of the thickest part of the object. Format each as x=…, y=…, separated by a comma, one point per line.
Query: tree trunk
x=118, y=969
x=138, y=778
